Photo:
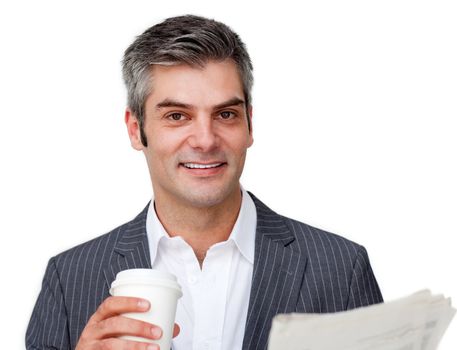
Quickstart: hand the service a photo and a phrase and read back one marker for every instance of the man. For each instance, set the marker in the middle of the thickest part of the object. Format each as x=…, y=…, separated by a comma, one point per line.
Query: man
x=239, y=263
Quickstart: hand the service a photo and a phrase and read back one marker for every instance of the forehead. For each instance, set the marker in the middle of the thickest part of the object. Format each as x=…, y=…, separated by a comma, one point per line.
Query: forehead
x=200, y=86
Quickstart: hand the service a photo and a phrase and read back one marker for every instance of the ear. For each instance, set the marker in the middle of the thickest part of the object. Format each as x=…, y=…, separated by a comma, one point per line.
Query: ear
x=251, y=137
x=133, y=129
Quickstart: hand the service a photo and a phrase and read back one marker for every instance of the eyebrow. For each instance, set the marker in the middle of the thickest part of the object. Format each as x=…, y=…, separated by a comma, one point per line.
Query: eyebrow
x=234, y=101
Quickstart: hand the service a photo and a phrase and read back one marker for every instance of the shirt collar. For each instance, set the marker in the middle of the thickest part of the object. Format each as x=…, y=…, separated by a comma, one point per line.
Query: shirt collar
x=155, y=231
x=243, y=232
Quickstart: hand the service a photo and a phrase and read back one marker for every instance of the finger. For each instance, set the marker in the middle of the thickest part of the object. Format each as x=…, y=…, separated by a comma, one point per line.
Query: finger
x=115, y=343
x=119, y=325
x=176, y=330
x=113, y=306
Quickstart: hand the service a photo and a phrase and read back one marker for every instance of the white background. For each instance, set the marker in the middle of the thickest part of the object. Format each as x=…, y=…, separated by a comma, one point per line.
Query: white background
x=354, y=127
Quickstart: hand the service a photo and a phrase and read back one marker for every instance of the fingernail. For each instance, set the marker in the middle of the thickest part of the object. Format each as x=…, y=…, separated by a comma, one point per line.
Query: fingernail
x=153, y=347
x=156, y=332
x=143, y=304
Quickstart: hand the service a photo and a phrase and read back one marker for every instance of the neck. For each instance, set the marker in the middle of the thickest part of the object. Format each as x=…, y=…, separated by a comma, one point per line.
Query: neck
x=200, y=227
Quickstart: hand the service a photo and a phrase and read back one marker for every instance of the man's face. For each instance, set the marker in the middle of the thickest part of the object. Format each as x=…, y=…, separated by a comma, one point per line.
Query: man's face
x=197, y=132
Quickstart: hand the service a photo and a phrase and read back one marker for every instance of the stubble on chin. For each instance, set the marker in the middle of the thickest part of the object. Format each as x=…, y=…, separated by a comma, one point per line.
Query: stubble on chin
x=206, y=198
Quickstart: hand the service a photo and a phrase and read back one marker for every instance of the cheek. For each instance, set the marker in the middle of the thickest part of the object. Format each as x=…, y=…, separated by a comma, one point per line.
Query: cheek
x=242, y=142
x=165, y=147
x=238, y=145
x=164, y=141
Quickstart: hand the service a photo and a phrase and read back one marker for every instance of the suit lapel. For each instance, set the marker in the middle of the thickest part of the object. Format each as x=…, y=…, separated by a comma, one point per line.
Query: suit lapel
x=277, y=277
x=131, y=249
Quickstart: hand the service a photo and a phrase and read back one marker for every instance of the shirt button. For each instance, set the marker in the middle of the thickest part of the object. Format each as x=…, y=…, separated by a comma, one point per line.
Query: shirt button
x=192, y=280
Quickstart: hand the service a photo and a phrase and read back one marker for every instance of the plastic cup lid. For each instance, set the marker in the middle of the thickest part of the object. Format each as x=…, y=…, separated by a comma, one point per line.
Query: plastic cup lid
x=146, y=277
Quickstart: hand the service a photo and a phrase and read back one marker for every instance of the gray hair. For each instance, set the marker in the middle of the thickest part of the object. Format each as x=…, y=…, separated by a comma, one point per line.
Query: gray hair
x=189, y=39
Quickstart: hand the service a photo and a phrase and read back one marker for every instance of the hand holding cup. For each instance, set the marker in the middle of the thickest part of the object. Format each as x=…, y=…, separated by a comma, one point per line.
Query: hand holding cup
x=126, y=319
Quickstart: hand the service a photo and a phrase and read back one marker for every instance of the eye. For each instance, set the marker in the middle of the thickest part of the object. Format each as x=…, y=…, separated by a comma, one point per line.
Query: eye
x=175, y=116
x=227, y=115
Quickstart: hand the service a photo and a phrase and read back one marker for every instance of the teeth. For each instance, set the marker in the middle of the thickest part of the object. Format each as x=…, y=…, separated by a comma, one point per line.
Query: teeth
x=201, y=166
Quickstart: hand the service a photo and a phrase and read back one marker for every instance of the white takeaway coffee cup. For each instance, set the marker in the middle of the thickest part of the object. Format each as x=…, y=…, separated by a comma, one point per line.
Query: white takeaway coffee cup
x=162, y=291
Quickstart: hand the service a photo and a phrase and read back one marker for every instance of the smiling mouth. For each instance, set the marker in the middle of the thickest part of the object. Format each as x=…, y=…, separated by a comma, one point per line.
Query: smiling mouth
x=202, y=166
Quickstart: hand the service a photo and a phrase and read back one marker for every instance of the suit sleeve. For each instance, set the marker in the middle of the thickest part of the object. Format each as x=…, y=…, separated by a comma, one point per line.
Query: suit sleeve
x=364, y=289
x=48, y=326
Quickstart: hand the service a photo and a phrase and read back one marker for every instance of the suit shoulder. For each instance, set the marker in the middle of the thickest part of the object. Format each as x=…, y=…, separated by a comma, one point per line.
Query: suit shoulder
x=311, y=238
x=97, y=250
x=96, y=247
x=318, y=238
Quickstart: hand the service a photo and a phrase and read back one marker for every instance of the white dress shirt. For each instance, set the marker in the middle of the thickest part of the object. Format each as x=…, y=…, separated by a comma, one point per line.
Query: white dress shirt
x=213, y=310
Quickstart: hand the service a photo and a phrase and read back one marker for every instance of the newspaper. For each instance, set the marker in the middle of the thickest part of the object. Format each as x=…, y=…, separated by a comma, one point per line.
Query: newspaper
x=416, y=322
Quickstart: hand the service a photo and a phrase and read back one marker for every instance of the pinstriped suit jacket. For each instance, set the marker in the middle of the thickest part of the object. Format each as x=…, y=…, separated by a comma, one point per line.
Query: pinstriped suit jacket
x=297, y=268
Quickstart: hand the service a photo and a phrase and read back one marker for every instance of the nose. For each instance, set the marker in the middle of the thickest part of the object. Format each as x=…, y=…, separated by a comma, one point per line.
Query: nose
x=203, y=136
